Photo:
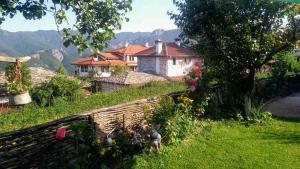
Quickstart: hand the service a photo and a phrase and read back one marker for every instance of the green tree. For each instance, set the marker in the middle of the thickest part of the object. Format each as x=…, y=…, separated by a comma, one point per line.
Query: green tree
x=96, y=20
x=61, y=70
x=119, y=69
x=237, y=37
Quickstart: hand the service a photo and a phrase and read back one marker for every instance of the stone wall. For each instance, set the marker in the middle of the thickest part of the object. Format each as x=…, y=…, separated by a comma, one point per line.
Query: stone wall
x=147, y=64
x=105, y=87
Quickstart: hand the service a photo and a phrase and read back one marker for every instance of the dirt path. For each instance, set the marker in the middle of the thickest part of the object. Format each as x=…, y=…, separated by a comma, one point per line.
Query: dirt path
x=286, y=107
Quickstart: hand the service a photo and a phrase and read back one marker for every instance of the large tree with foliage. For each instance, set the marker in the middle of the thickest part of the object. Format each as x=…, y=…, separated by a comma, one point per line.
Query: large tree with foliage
x=237, y=37
x=96, y=20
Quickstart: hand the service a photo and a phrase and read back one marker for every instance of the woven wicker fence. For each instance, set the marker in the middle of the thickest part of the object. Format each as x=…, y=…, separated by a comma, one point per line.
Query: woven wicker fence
x=36, y=147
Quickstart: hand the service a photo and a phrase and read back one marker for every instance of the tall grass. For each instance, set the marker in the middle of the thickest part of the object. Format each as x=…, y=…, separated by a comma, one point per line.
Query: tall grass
x=32, y=114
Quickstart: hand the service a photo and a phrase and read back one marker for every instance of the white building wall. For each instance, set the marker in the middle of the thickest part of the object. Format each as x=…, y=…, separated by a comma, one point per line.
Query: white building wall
x=135, y=59
x=99, y=73
x=181, y=68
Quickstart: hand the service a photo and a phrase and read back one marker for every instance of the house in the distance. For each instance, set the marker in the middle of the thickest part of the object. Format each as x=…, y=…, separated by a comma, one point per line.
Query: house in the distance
x=167, y=59
x=103, y=63
x=129, y=78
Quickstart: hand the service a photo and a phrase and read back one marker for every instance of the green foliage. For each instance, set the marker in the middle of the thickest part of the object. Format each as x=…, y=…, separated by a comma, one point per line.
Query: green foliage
x=95, y=20
x=258, y=115
x=175, y=120
x=228, y=145
x=20, y=84
x=32, y=115
x=60, y=86
x=237, y=37
x=119, y=69
x=61, y=70
x=285, y=64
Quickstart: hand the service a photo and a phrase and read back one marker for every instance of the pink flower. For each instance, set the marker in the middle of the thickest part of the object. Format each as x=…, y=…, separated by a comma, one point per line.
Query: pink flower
x=197, y=72
x=192, y=88
x=191, y=82
x=197, y=64
x=61, y=133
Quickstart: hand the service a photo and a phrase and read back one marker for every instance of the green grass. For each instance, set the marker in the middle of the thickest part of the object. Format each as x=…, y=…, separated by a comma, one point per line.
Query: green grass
x=32, y=115
x=231, y=145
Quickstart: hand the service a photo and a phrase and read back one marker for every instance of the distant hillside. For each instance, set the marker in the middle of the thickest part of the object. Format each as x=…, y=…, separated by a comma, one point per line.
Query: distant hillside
x=48, y=51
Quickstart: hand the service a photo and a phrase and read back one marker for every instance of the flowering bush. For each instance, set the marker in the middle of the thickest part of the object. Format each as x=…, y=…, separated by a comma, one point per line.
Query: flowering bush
x=194, y=76
x=175, y=120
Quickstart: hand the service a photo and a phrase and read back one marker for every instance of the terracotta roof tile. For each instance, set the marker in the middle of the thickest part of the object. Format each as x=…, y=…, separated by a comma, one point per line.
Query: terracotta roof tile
x=168, y=50
x=109, y=56
x=129, y=50
x=91, y=61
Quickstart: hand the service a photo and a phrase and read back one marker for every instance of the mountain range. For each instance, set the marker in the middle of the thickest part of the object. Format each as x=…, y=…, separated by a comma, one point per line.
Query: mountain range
x=47, y=50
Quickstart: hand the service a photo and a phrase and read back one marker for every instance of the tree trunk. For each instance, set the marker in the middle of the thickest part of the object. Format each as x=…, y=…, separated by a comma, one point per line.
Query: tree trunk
x=249, y=90
x=247, y=102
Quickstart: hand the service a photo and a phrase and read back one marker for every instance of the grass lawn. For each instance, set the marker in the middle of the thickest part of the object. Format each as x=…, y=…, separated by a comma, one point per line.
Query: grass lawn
x=32, y=115
x=231, y=145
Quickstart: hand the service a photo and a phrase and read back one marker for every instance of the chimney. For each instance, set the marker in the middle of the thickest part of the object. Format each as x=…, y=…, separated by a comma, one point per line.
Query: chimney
x=126, y=44
x=146, y=44
x=158, y=46
x=177, y=41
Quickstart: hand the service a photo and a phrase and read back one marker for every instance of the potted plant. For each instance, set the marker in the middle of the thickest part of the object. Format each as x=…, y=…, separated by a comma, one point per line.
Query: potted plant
x=19, y=82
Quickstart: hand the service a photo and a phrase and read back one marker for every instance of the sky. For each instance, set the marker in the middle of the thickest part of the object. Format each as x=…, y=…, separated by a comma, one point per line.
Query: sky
x=146, y=16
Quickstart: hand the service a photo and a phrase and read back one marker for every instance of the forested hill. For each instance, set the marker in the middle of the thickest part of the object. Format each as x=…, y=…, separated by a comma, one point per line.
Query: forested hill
x=48, y=51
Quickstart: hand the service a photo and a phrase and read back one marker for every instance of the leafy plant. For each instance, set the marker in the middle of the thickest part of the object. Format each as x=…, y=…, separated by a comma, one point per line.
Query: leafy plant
x=59, y=86
x=119, y=69
x=259, y=115
x=175, y=120
x=18, y=77
x=61, y=70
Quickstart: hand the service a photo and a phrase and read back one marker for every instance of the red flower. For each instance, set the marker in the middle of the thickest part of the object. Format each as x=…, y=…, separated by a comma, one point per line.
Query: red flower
x=197, y=72
x=60, y=133
x=191, y=82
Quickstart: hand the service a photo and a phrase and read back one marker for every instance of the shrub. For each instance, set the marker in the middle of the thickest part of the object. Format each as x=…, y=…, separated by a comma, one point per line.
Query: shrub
x=61, y=70
x=258, y=115
x=285, y=63
x=174, y=120
x=119, y=69
x=60, y=86
x=18, y=83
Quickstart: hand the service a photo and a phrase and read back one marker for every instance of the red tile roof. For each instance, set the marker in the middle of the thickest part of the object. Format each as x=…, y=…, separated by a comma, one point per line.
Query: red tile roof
x=111, y=57
x=92, y=61
x=168, y=50
x=129, y=50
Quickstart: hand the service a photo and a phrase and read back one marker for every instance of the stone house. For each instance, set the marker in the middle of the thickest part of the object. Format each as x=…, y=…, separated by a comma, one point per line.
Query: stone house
x=129, y=78
x=103, y=62
x=167, y=59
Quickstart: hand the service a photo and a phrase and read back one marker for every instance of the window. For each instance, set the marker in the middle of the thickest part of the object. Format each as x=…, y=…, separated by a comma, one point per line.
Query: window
x=84, y=68
x=104, y=69
x=190, y=60
x=174, y=61
x=131, y=58
x=185, y=60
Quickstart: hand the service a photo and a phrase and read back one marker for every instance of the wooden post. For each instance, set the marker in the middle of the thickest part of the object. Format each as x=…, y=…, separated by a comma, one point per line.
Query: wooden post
x=124, y=125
